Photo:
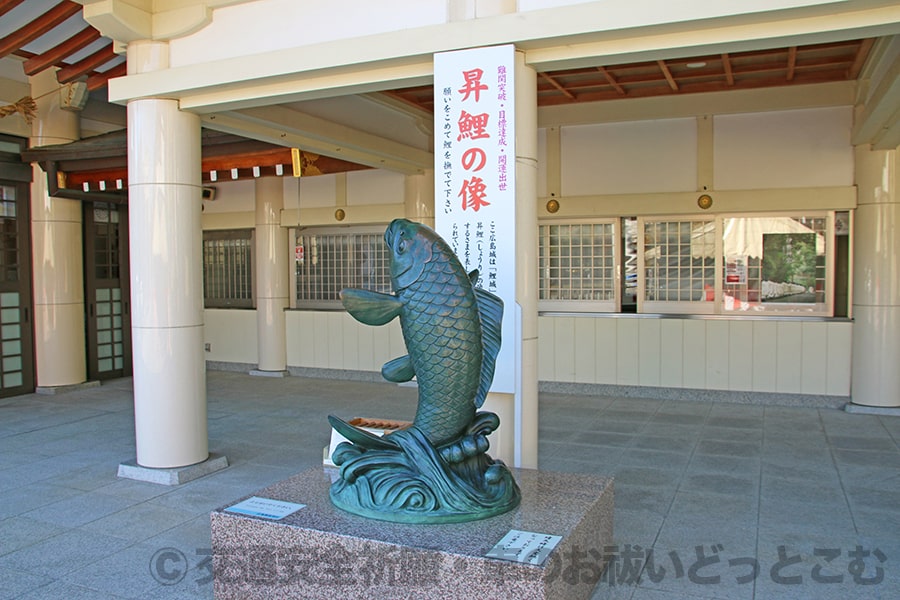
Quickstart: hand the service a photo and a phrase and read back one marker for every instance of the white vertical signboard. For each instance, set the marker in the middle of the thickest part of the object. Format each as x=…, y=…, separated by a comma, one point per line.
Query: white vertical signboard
x=474, y=176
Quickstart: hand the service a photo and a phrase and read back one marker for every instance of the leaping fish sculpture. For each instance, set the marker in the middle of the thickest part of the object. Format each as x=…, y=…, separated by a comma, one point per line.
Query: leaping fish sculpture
x=450, y=327
x=438, y=469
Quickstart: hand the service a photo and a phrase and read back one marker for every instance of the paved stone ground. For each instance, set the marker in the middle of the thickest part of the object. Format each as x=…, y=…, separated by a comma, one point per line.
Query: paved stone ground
x=735, y=501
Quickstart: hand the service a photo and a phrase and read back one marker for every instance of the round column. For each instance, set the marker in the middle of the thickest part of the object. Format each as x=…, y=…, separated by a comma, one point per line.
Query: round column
x=526, y=260
x=272, y=275
x=418, y=198
x=164, y=195
x=875, y=378
x=56, y=230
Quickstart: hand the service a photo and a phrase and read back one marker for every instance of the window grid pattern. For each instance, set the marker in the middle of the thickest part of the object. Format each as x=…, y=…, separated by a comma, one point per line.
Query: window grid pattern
x=227, y=272
x=12, y=364
x=9, y=237
x=679, y=261
x=577, y=261
x=106, y=241
x=110, y=348
x=327, y=263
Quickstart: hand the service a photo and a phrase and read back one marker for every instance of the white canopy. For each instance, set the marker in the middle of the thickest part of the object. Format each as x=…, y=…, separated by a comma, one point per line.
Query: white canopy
x=743, y=236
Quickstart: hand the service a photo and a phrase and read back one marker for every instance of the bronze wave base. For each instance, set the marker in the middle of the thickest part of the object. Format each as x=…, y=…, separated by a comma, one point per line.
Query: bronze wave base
x=404, y=478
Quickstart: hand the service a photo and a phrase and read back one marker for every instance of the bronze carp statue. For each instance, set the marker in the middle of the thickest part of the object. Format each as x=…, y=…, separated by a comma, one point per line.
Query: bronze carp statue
x=437, y=470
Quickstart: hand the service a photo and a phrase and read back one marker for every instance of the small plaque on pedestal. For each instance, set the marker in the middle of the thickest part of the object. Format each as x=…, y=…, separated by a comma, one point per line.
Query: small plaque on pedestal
x=264, y=508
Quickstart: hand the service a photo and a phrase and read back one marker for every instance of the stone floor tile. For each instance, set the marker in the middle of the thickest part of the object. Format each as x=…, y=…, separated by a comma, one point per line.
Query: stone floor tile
x=747, y=478
x=139, y=522
x=57, y=556
x=19, y=532
x=79, y=510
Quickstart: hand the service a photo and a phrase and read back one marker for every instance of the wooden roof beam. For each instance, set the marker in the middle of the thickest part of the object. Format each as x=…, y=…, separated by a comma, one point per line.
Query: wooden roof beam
x=726, y=65
x=556, y=84
x=861, y=55
x=792, y=63
x=38, y=27
x=612, y=80
x=8, y=5
x=99, y=80
x=53, y=56
x=86, y=65
x=668, y=74
x=285, y=126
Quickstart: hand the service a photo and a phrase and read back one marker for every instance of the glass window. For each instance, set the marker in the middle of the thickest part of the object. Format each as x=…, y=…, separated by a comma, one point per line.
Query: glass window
x=578, y=266
x=775, y=264
x=678, y=264
x=327, y=261
x=228, y=268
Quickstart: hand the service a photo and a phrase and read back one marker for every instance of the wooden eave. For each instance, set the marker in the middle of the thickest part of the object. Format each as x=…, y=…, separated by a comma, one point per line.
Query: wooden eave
x=100, y=163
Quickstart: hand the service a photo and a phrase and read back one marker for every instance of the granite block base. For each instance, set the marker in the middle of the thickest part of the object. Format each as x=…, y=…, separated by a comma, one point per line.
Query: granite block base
x=276, y=374
x=884, y=411
x=323, y=552
x=52, y=390
x=174, y=476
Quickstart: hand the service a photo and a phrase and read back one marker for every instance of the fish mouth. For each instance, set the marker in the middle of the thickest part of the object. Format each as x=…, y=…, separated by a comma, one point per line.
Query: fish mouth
x=398, y=268
x=398, y=276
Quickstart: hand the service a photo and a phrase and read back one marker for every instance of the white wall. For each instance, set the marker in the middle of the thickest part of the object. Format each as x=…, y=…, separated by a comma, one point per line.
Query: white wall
x=374, y=187
x=629, y=158
x=768, y=150
x=231, y=335
x=335, y=340
x=785, y=149
x=231, y=196
x=776, y=151
x=796, y=357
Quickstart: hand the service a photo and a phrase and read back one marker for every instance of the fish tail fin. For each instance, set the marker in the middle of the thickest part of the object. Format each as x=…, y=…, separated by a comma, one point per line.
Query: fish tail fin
x=490, y=310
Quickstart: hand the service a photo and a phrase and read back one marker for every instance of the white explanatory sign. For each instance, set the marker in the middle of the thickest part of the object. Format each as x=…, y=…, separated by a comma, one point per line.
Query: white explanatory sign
x=265, y=508
x=474, y=176
x=524, y=547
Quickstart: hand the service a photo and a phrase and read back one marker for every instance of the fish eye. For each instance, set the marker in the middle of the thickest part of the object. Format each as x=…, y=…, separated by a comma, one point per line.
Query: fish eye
x=401, y=246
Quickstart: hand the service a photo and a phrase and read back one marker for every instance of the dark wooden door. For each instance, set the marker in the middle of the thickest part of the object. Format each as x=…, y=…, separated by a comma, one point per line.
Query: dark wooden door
x=106, y=290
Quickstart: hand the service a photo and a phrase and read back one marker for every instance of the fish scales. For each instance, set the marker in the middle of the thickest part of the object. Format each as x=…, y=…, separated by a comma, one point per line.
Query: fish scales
x=451, y=330
x=432, y=324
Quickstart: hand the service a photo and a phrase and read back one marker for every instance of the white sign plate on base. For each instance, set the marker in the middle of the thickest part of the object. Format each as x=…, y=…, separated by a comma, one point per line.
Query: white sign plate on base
x=525, y=547
x=265, y=508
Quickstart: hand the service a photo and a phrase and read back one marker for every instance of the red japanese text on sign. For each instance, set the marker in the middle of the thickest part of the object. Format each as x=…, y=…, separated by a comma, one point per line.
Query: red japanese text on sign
x=473, y=84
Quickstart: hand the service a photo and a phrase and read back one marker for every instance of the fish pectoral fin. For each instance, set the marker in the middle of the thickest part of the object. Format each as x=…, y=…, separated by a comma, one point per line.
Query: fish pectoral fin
x=490, y=310
x=361, y=437
x=398, y=370
x=371, y=308
x=473, y=276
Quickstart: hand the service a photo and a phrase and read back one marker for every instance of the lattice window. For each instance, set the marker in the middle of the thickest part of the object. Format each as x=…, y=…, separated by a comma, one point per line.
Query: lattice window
x=577, y=263
x=9, y=251
x=679, y=258
x=328, y=261
x=228, y=268
x=106, y=241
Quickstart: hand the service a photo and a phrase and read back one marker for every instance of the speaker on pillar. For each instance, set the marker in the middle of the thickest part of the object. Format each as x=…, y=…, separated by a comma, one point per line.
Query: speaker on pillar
x=73, y=96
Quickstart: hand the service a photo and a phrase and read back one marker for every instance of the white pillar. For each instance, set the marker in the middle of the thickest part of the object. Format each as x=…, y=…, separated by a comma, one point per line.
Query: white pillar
x=164, y=194
x=516, y=441
x=526, y=260
x=419, y=198
x=58, y=271
x=875, y=376
x=272, y=275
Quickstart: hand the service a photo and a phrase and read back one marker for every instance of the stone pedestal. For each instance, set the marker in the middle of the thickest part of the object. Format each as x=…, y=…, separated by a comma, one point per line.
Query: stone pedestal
x=322, y=552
